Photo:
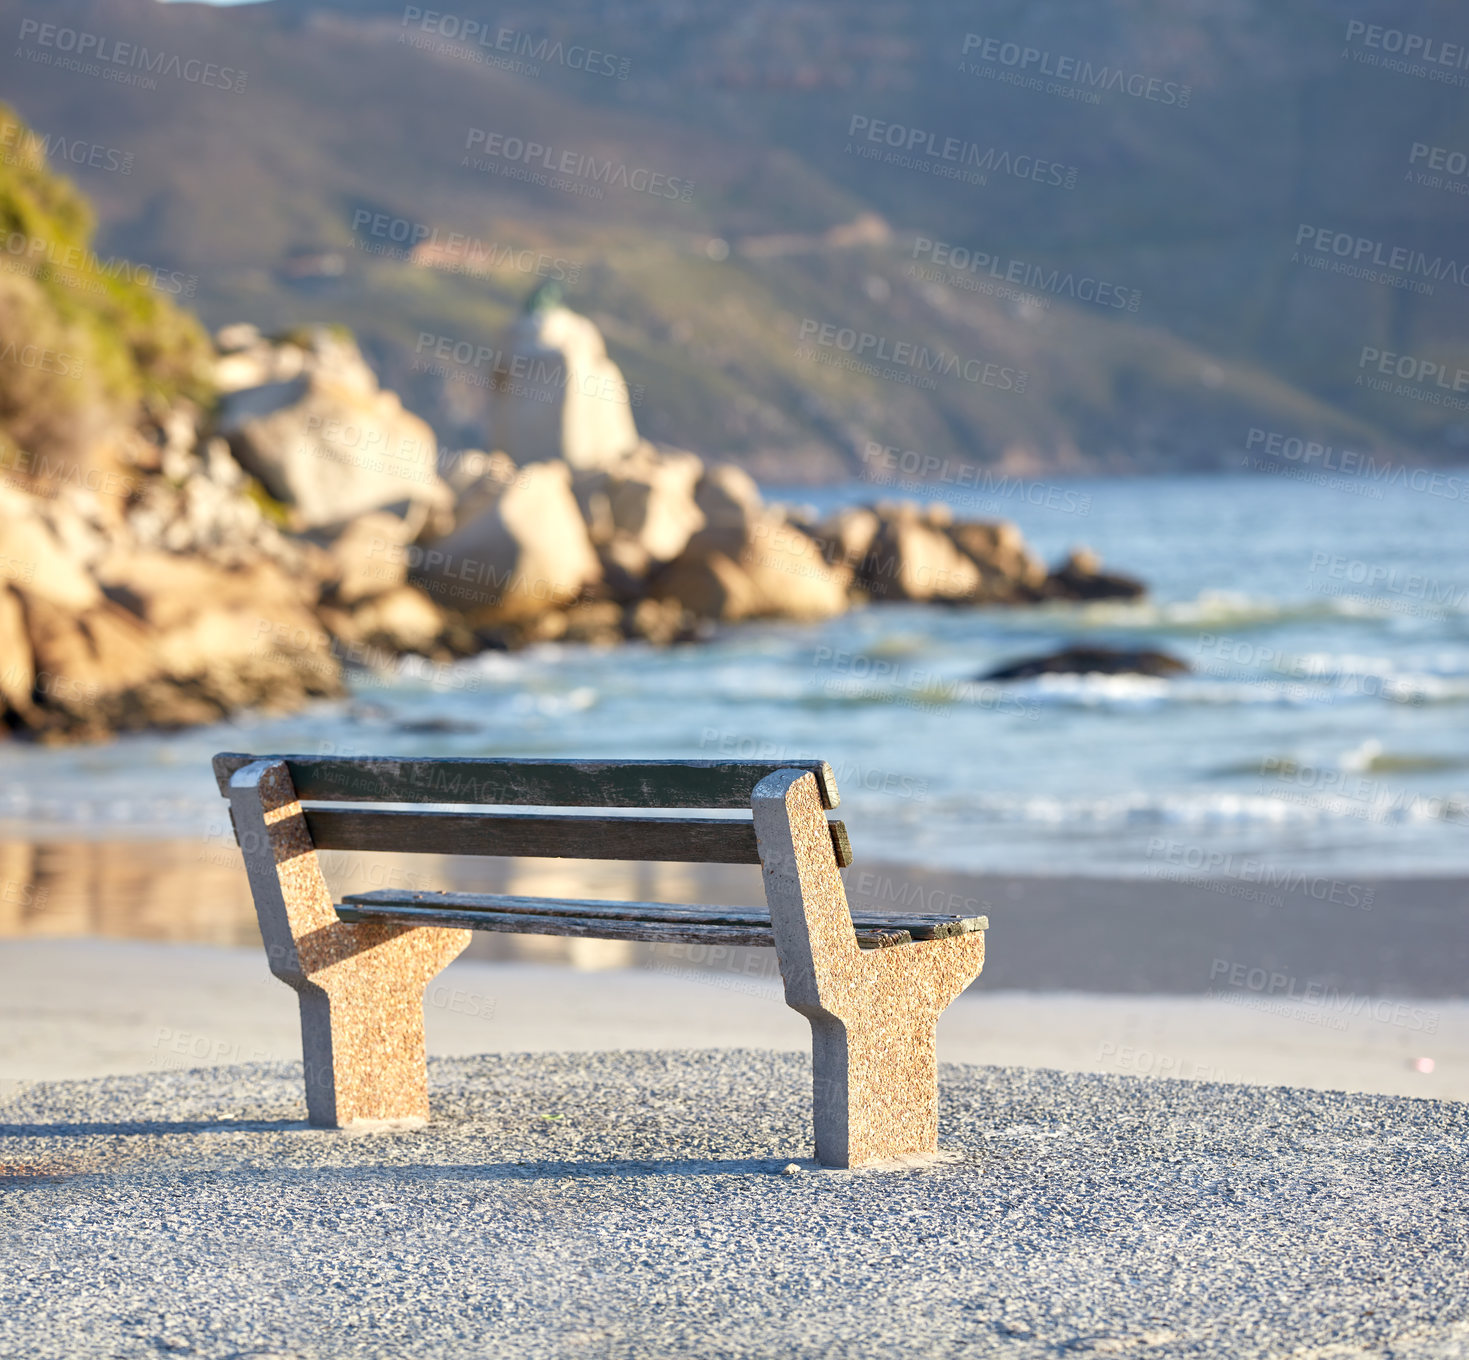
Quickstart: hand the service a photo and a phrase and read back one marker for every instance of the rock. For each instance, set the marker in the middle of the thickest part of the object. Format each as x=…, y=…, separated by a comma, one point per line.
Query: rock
x=791, y=576
x=558, y=395
x=369, y=557
x=658, y=621
x=17, y=662
x=471, y=467
x=1081, y=577
x=1009, y=573
x=328, y=444
x=848, y=534
x=598, y=622
x=781, y=573
x=640, y=512
x=709, y=586
x=1087, y=659
x=43, y=547
x=527, y=551
x=913, y=559
x=176, y=641
x=728, y=499
x=402, y=619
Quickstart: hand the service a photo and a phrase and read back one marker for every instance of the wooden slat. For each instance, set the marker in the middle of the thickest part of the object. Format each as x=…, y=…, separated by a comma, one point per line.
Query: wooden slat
x=530, y=781
x=701, y=840
x=596, y=927
x=919, y=925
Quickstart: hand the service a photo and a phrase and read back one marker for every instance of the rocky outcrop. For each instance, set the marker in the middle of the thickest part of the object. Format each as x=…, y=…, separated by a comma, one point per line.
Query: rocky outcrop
x=101, y=634
x=307, y=419
x=250, y=558
x=557, y=395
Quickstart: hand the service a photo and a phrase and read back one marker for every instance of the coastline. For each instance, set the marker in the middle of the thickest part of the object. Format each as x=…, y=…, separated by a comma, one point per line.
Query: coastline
x=127, y=957
x=1404, y=937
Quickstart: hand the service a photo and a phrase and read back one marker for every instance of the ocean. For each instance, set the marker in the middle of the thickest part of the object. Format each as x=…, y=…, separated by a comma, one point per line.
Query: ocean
x=1323, y=729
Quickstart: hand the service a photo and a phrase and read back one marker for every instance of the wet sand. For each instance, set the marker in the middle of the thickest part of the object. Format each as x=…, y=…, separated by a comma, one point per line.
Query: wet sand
x=1405, y=937
x=139, y=956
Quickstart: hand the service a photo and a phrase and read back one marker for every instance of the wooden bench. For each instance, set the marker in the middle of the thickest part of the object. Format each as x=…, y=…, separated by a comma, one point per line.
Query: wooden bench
x=873, y=984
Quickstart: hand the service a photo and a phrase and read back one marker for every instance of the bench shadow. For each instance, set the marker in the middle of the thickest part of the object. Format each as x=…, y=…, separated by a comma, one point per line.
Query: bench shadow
x=545, y=1169
x=139, y=1127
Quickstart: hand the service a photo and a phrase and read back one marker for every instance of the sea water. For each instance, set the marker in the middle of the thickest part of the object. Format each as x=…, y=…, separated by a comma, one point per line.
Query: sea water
x=1323, y=727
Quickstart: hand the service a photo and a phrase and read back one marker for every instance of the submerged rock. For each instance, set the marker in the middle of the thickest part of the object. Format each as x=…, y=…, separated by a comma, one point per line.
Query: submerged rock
x=1091, y=660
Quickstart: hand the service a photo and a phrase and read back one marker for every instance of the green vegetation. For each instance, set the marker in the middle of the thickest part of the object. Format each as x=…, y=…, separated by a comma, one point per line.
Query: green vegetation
x=85, y=341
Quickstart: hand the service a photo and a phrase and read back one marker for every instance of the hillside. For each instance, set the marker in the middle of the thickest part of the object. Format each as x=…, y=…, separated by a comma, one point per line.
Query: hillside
x=719, y=223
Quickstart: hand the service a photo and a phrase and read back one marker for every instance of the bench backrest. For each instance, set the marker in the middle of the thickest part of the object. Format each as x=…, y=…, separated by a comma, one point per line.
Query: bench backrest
x=453, y=783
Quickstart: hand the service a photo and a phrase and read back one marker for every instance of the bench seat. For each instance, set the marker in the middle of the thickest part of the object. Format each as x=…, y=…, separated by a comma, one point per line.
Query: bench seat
x=658, y=922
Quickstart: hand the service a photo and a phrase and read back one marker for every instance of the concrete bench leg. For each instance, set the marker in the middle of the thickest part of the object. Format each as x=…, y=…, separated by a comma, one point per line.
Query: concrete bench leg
x=873, y=1013
x=360, y=986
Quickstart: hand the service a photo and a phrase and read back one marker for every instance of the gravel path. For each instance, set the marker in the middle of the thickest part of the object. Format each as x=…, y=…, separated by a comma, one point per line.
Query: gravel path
x=638, y=1205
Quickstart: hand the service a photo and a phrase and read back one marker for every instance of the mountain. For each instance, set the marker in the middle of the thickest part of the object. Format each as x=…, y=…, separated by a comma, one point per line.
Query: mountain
x=1051, y=237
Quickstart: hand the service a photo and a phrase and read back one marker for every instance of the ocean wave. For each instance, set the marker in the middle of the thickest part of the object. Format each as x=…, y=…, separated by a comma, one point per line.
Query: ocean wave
x=1199, y=809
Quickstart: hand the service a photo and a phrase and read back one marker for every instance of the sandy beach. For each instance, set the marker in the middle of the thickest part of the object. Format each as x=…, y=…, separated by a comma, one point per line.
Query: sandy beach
x=133, y=957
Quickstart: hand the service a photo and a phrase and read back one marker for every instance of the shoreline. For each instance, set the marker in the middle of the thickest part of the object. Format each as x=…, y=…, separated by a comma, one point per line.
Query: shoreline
x=1148, y=936
x=90, y=1008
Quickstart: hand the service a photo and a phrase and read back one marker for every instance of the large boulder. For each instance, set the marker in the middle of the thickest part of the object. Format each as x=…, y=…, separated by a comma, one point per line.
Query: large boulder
x=328, y=443
x=778, y=572
x=912, y=557
x=792, y=578
x=729, y=501
x=640, y=512
x=558, y=396
x=526, y=551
